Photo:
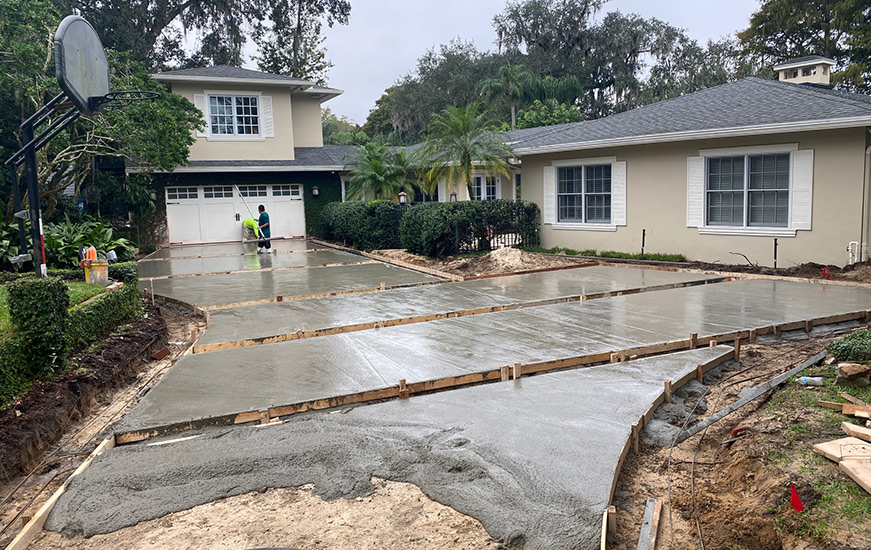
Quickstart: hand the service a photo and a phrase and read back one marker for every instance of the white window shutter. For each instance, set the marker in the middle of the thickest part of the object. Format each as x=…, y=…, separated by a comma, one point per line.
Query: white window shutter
x=618, y=193
x=802, y=188
x=266, y=116
x=200, y=103
x=549, y=203
x=695, y=192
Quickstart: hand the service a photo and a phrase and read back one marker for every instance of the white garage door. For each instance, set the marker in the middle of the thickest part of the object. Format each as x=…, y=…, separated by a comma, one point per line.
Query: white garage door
x=208, y=214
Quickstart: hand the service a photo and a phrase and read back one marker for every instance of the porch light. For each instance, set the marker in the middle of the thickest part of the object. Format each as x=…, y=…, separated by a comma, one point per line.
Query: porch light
x=403, y=198
x=315, y=191
x=453, y=197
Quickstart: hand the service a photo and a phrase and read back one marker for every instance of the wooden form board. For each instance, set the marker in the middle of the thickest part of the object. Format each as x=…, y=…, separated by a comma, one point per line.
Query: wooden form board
x=859, y=432
x=846, y=448
x=34, y=526
x=232, y=255
x=300, y=334
x=859, y=471
x=650, y=524
x=392, y=392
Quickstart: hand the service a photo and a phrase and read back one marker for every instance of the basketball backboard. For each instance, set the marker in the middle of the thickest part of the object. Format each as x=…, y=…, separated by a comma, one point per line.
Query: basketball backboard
x=80, y=63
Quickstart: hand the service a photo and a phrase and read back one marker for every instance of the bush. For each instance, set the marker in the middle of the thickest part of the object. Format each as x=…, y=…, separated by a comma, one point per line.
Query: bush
x=853, y=347
x=38, y=313
x=442, y=229
x=126, y=272
x=62, y=242
x=363, y=225
x=13, y=379
x=93, y=319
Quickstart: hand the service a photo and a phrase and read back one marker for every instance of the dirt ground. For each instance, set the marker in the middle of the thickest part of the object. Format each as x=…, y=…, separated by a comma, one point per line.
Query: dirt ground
x=731, y=496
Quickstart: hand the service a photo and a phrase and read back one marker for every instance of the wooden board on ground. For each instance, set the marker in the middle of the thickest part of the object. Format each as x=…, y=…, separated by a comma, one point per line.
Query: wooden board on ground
x=859, y=432
x=846, y=448
x=860, y=471
x=650, y=525
x=860, y=411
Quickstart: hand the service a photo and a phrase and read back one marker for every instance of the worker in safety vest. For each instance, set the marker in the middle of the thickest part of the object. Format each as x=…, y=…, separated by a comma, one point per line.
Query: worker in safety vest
x=251, y=225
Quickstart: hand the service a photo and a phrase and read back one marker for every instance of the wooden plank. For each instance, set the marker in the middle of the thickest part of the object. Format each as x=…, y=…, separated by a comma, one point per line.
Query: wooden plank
x=861, y=411
x=650, y=524
x=831, y=405
x=603, y=540
x=859, y=471
x=262, y=270
x=853, y=400
x=33, y=527
x=846, y=448
x=859, y=432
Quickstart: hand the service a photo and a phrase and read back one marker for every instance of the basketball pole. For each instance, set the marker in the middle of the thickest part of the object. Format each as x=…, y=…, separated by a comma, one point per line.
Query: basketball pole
x=32, y=182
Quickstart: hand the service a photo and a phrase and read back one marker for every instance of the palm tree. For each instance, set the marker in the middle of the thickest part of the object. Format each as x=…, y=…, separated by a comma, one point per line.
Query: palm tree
x=458, y=144
x=514, y=83
x=380, y=173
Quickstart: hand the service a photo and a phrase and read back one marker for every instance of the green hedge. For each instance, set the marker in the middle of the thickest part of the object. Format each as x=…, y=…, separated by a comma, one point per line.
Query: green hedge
x=853, y=347
x=38, y=312
x=44, y=329
x=442, y=229
x=363, y=225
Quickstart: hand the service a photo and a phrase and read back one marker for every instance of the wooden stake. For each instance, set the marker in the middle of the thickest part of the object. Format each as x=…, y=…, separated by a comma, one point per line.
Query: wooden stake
x=700, y=373
x=809, y=325
x=668, y=391
x=383, y=285
x=516, y=371
x=503, y=373
x=612, y=521
x=752, y=338
x=264, y=416
x=403, y=389
x=713, y=343
x=694, y=340
x=636, y=432
x=737, y=346
x=777, y=330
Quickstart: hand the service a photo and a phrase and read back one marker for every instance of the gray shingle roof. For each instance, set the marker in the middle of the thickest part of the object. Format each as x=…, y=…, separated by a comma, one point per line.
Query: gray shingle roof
x=802, y=61
x=748, y=105
x=230, y=72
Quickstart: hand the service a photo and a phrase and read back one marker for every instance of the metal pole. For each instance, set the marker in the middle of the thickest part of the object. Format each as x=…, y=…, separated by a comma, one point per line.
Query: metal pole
x=30, y=169
x=643, y=239
x=775, y=253
x=16, y=201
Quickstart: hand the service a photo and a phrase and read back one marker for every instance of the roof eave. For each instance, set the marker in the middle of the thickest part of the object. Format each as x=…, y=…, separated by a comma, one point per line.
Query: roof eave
x=296, y=85
x=246, y=168
x=780, y=128
x=796, y=65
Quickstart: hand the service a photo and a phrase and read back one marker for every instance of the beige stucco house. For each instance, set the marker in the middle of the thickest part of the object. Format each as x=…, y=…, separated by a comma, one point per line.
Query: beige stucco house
x=722, y=171
x=262, y=144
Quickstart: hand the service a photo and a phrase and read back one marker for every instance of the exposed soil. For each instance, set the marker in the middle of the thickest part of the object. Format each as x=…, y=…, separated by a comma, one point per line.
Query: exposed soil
x=503, y=260
x=859, y=272
x=736, y=495
x=394, y=517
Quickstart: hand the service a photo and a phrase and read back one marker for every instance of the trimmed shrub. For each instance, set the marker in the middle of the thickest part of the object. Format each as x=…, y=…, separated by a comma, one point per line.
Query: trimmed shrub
x=126, y=272
x=853, y=347
x=91, y=320
x=38, y=312
x=444, y=229
x=363, y=225
x=12, y=364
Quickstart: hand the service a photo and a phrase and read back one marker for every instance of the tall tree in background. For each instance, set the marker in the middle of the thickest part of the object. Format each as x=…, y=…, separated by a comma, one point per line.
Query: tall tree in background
x=515, y=83
x=292, y=44
x=783, y=29
x=380, y=173
x=459, y=142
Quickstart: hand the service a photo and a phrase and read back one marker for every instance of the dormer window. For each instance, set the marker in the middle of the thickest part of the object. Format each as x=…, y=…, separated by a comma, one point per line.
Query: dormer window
x=234, y=115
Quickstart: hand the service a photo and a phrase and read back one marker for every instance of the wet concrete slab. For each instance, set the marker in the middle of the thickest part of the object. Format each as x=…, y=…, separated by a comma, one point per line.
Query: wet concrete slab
x=246, y=262
x=287, y=317
x=220, y=249
x=253, y=378
x=534, y=459
x=214, y=290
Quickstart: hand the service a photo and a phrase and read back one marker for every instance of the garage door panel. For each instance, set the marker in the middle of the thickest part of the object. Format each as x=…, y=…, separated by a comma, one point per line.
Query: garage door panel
x=183, y=220
x=218, y=222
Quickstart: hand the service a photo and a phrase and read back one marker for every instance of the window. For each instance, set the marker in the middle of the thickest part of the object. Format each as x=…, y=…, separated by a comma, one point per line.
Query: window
x=484, y=188
x=252, y=190
x=294, y=190
x=748, y=190
x=222, y=192
x=234, y=115
x=176, y=193
x=812, y=71
x=584, y=194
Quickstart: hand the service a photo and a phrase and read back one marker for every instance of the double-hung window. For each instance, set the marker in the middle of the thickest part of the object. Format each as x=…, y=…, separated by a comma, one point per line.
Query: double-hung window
x=234, y=115
x=748, y=190
x=484, y=188
x=584, y=194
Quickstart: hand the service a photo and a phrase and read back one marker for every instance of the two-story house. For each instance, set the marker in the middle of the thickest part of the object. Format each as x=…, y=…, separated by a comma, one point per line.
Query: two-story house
x=262, y=144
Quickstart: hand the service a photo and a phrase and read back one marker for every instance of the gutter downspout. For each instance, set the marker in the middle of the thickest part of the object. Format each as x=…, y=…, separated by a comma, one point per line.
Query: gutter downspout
x=866, y=197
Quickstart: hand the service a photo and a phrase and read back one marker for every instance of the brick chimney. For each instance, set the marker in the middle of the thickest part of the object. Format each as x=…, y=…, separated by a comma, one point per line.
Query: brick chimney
x=813, y=69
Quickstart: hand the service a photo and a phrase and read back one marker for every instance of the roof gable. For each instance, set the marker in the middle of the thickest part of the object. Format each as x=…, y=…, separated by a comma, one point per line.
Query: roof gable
x=230, y=74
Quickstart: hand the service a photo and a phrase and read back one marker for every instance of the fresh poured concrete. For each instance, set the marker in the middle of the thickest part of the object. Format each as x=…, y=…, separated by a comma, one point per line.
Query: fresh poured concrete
x=532, y=459
x=222, y=249
x=253, y=378
x=286, y=317
x=215, y=290
x=219, y=264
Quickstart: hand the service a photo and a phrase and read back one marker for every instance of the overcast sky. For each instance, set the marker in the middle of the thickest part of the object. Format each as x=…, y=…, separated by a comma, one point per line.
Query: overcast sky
x=385, y=38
